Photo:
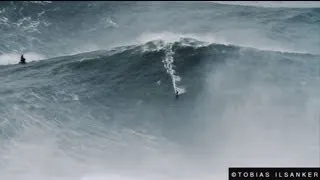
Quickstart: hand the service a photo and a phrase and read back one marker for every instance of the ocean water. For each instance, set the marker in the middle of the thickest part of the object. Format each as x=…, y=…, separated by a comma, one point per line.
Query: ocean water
x=96, y=100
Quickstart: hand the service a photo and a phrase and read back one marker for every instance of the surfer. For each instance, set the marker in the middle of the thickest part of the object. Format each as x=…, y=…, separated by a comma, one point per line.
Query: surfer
x=22, y=60
x=177, y=94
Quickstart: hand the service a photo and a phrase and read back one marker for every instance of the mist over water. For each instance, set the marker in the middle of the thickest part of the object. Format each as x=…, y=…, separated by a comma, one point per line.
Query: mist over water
x=96, y=100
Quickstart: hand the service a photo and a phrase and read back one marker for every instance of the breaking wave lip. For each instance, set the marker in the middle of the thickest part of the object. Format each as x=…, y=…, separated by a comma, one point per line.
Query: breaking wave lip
x=207, y=39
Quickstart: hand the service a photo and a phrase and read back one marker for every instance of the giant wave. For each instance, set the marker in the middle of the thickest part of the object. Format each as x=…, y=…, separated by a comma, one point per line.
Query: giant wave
x=96, y=99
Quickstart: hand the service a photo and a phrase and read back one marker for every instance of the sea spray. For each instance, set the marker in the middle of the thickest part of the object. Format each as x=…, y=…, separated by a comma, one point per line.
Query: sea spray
x=169, y=66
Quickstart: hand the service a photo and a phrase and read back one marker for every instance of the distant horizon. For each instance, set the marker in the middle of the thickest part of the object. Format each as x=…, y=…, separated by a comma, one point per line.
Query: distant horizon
x=280, y=4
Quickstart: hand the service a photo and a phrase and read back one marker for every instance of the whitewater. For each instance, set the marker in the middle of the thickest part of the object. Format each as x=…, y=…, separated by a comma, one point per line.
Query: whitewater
x=96, y=99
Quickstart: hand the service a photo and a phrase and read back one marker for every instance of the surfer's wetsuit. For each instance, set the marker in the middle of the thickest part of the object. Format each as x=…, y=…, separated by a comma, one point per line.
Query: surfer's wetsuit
x=22, y=60
x=177, y=94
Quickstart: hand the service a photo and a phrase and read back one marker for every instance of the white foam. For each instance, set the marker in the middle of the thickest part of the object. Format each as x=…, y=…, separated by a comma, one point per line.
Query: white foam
x=14, y=58
x=3, y=20
x=109, y=22
x=168, y=65
x=41, y=2
x=164, y=36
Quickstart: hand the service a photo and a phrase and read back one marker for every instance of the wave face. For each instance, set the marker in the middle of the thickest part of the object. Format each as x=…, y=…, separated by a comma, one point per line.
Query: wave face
x=96, y=99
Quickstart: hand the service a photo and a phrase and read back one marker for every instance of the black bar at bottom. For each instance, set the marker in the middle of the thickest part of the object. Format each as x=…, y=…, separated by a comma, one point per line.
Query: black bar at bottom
x=274, y=173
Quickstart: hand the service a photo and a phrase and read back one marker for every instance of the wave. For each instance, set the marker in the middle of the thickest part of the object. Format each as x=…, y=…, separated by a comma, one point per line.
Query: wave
x=156, y=66
x=97, y=99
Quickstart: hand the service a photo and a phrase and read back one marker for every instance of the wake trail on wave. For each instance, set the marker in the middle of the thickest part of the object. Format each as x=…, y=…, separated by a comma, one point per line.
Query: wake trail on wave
x=168, y=61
